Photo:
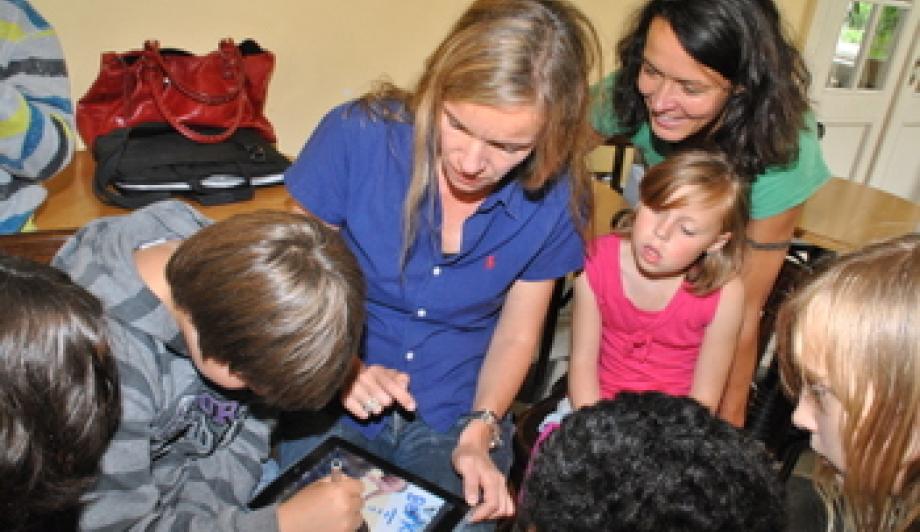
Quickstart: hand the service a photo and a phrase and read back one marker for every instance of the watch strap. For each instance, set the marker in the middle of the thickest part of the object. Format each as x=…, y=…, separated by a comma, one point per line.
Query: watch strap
x=492, y=420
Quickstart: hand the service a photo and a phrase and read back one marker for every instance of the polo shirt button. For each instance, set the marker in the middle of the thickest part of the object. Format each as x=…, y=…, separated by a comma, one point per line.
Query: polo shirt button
x=436, y=271
x=421, y=313
x=410, y=355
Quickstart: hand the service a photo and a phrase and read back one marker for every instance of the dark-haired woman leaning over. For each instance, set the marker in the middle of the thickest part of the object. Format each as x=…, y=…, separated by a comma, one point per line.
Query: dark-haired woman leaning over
x=720, y=74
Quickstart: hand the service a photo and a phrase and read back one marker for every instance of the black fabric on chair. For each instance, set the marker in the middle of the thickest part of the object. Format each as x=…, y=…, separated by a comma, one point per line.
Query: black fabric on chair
x=769, y=413
x=526, y=429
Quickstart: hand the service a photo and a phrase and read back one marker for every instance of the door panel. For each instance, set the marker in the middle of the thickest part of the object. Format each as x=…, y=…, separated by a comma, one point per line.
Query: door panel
x=843, y=145
x=857, y=51
x=897, y=166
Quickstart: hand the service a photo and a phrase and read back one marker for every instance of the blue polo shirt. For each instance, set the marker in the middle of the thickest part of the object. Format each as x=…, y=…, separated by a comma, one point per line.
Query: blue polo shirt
x=434, y=318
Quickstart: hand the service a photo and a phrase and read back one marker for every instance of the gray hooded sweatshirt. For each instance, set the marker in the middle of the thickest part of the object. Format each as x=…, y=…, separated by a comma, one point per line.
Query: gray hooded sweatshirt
x=187, y=454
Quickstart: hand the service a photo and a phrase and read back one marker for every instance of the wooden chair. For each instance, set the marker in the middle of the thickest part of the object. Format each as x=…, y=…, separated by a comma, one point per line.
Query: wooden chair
x=611, y=160
x=39, y=246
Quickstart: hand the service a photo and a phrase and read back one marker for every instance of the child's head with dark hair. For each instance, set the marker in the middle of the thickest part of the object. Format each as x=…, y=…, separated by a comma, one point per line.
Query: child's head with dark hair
x=276, y=297
x=59, y=401
x=651, y=462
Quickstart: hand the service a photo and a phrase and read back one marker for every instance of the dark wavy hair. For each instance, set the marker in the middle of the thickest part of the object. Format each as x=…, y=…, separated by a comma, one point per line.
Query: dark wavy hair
x=744, y=41
x=649, y=462
x=59, y=399
x=296, y=316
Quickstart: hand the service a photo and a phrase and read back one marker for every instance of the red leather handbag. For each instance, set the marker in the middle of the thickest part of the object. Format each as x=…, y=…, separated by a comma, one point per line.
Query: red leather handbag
x=224, y=89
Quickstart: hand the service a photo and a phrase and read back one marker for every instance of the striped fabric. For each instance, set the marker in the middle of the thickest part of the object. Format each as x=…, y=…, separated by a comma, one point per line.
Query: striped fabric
x=36, y=112
x=187, y=455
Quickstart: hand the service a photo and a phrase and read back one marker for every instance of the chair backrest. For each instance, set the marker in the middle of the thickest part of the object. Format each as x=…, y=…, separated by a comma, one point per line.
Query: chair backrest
x=612, y=157
x=39, y=246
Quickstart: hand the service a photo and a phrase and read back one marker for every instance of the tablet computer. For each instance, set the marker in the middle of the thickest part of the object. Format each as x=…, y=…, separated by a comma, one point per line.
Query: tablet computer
x=394, y=499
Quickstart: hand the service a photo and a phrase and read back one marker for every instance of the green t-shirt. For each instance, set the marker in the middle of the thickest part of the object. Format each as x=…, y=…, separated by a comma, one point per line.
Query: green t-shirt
x=776, y=190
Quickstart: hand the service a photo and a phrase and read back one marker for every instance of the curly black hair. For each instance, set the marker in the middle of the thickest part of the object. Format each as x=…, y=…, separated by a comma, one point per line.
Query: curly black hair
x=649, y=462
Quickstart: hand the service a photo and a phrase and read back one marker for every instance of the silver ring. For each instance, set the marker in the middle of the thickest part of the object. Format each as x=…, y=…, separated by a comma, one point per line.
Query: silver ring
x=372, y=406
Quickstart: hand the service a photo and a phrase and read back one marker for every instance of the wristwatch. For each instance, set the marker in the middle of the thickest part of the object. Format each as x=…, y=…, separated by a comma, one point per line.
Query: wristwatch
x=490, y=419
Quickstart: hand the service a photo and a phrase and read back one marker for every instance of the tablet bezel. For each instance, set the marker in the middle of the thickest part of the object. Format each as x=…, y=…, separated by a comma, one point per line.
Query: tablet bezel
x=453, y=510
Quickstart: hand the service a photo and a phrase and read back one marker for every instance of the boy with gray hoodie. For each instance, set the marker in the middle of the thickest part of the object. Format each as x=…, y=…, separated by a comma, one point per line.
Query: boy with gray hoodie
x=214, y=327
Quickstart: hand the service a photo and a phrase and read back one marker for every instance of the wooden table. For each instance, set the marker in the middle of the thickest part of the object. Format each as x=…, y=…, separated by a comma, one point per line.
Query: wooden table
x=71, y=202
x=841, y=216
x=844, y=215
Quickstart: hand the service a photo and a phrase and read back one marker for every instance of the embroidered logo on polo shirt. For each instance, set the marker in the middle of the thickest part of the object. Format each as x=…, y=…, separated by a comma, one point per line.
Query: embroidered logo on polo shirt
x=490, y=262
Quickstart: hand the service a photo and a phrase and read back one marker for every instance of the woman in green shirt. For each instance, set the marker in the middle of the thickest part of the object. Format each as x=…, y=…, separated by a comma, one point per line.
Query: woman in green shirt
x=720, y=74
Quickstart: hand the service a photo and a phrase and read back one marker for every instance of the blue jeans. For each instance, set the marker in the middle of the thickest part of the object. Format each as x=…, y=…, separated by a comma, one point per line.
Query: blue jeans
x=412, y=445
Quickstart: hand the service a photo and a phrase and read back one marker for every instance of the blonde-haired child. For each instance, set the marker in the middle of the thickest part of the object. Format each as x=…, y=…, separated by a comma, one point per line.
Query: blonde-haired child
x=850, y=351
x=658, y=306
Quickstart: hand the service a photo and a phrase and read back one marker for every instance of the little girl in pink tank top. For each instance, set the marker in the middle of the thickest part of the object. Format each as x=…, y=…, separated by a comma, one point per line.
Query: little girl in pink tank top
x=658, y=306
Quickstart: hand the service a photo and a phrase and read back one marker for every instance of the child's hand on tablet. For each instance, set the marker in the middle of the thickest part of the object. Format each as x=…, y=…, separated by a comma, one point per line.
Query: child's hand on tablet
x=330, y=504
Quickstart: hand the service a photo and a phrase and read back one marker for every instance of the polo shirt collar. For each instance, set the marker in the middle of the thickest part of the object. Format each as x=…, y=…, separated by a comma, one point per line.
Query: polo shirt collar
x=507, y=195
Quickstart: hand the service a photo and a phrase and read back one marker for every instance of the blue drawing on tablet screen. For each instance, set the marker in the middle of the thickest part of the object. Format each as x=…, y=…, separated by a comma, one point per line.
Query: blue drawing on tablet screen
x=410, y=510
x=413, y=519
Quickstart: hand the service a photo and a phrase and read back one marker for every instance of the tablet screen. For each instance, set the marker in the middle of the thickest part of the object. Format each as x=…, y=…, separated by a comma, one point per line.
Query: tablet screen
x=394, y=499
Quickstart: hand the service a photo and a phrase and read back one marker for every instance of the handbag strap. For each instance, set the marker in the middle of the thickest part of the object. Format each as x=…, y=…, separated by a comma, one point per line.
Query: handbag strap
x=153, y=80
x=210, y=196
x=107, y=171
x=233, y=62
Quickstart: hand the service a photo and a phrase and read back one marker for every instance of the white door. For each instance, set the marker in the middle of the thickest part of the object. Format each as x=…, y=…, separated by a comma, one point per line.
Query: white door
x=897, y=164
x=863, y=57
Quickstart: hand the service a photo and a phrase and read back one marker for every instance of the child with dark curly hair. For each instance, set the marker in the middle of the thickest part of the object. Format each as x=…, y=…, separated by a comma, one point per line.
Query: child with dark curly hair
x=650, y=462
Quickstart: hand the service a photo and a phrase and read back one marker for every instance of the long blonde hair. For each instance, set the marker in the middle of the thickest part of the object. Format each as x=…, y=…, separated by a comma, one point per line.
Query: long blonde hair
x=859, y=321
x=507, y=53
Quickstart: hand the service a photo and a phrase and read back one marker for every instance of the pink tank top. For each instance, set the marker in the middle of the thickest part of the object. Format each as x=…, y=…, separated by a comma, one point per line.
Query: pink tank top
x=642, y=350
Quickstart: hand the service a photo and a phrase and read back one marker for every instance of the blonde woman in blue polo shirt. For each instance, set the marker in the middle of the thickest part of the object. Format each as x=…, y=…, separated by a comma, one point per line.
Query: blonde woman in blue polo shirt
x=462, y=200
